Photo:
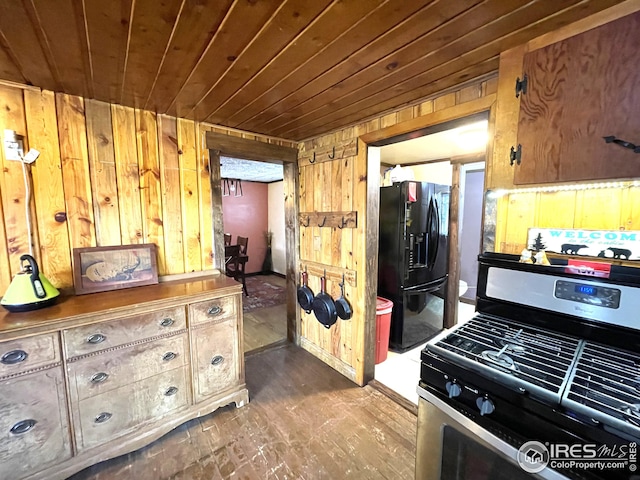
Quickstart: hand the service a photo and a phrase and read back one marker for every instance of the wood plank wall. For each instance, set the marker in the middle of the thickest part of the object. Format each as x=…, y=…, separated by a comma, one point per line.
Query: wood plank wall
x=106, y=175
x=341, y=185
x=591, y=209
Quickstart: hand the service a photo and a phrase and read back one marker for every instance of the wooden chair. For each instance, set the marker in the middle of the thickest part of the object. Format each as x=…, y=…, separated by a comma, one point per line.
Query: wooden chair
x=235, y=265
x=243, y=242
x=227, y=239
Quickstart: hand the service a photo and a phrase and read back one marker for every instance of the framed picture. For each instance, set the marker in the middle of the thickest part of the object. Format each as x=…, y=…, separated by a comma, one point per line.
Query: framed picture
x=98, y=269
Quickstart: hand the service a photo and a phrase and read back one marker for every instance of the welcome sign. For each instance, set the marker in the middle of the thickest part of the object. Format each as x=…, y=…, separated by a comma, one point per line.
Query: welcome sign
x=614, y=244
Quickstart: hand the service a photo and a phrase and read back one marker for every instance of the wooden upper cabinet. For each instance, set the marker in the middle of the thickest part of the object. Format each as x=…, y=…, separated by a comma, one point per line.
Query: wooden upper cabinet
x=580, y=90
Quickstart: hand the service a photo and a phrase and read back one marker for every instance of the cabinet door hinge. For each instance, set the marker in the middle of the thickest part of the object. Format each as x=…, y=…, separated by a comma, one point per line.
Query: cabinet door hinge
x=515, y=155
x=521, y=85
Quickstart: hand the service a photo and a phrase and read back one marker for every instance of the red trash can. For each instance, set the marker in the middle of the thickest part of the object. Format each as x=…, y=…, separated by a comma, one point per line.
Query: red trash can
x=383, y=325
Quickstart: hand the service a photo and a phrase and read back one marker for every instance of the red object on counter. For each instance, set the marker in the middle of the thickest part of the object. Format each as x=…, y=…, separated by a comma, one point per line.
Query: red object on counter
x=384, y=308
x=589, y=269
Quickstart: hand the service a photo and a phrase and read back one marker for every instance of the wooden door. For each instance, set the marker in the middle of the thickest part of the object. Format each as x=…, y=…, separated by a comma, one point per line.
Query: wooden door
x=580, y=90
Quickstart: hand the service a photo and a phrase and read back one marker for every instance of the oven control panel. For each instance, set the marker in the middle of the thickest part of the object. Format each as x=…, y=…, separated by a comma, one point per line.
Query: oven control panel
x=599, y=296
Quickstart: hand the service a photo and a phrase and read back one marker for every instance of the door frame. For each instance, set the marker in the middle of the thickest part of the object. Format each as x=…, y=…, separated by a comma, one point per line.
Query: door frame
x=484, y=104
x=230, y=146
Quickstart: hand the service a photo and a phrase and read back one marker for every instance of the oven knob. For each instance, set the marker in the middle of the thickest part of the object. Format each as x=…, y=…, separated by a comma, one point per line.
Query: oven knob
x=453, y=389
x=485, y=405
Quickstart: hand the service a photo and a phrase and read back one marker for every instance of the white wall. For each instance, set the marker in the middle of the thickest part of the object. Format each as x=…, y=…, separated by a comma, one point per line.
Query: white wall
x=439, y=172
x=276, y=225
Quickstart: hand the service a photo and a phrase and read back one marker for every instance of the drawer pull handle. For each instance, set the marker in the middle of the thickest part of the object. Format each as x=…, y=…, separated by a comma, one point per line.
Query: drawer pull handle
x=96, y=338
x=169, y=356
x=102, y=417
x=171, y=391
x=99, y=377
x=217, y=360
x=14, y=356
x=166, y=322
x=23, y=426
x=215, y=310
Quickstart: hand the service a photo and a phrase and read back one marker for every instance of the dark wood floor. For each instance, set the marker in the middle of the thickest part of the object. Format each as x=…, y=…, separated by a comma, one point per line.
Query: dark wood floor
x=304, y=421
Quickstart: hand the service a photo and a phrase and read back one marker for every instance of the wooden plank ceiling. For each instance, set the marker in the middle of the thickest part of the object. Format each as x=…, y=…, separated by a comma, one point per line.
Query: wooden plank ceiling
x=293, y=68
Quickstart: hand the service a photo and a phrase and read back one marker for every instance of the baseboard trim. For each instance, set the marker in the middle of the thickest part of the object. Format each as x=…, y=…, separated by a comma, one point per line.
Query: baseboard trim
x=395, y=396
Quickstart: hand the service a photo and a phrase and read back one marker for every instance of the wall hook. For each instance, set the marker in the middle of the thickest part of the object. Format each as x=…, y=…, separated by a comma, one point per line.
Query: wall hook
x=333, y=154
x=342, y=224
x=308, y=220
x=314, y=158
x=323, y=222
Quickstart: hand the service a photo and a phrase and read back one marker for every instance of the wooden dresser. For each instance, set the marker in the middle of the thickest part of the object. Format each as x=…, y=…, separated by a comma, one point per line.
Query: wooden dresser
x=100, y=375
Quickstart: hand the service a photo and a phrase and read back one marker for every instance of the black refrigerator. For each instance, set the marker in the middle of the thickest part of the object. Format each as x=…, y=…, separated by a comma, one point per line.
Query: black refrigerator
x=413, y=259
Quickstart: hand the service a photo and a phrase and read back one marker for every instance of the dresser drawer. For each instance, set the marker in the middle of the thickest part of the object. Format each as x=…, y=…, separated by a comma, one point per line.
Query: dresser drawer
x=108, y=371
x=28, y=353
x=105, y=417
x=100, y=336
x=34, y=428
x=215, y=354
x=215, y=310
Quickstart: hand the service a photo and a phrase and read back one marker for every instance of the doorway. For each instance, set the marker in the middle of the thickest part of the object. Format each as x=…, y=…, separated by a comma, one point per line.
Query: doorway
x=270, y=322
x=446, y=154
x=253, y=214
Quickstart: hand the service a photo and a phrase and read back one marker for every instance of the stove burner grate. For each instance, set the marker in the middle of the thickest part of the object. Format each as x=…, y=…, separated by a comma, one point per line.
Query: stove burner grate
x=523, y=354
x=606, y=387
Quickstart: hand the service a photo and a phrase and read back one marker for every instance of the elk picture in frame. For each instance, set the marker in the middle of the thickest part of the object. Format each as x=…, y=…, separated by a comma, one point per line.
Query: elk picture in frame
x=99, y=269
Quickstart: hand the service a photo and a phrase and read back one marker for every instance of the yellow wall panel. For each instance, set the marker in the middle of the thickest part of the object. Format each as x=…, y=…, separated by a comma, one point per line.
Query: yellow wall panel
x=48, y=191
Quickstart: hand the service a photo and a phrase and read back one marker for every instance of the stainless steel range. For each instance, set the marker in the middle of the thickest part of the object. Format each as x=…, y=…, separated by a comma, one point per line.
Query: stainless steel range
x=543, y=382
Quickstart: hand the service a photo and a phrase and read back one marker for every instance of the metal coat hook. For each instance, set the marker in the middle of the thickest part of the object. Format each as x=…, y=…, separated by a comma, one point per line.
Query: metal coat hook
x=314, y=158
x=308, y=220
x=323, y=222
x=343, y=224
x=333, y=154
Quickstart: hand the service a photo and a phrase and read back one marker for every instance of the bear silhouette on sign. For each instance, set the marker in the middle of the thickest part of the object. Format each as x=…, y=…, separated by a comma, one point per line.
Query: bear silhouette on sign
x=620, y=252
x=571, y=248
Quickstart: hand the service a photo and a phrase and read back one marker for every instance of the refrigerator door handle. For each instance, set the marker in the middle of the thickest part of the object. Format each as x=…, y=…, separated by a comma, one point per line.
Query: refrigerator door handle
x=433, y=223
x=426, y=288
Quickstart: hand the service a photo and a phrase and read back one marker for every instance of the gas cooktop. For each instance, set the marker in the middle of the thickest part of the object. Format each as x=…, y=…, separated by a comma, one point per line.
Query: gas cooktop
x=597, y=382
x=519, y=356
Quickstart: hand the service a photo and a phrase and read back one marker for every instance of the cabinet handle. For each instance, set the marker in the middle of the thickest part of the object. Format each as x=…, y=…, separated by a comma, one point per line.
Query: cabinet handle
x=13, y=357
x=102, y=417
x=99, y=377
x=217, y=360
x=166, y=322
x=23, y=426
x=96, y=338
x=622, y=143
x=215, y=310
x=171, y=391
x=169, y=356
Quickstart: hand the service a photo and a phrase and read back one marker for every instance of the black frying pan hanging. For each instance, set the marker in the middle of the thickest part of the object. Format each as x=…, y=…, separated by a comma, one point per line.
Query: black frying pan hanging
x=342, y=304
x=305, y=295
x=323, y=306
